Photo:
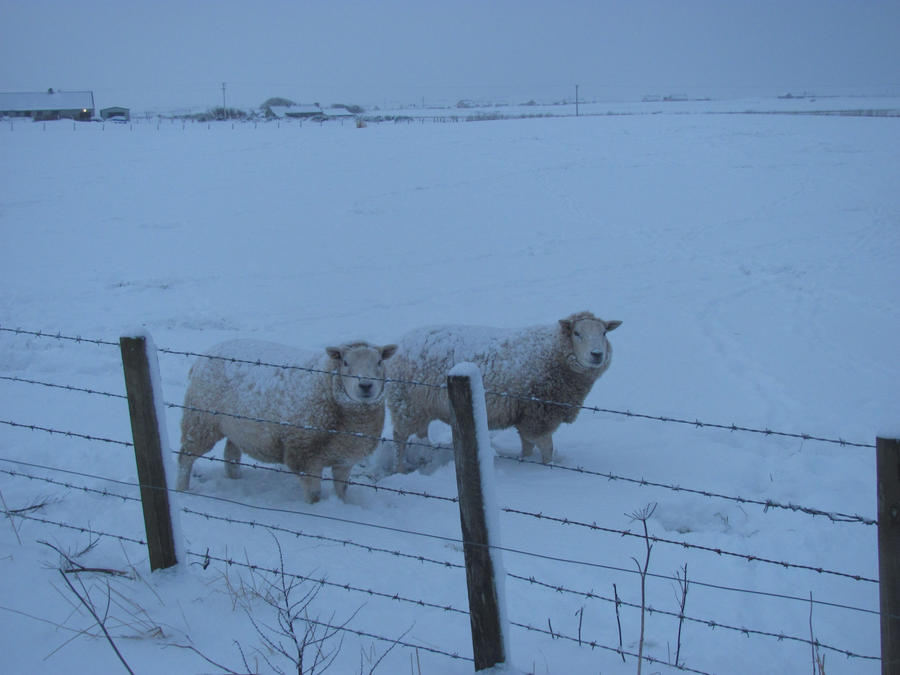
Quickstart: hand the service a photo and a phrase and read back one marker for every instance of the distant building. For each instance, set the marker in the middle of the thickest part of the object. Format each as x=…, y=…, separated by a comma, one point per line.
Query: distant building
x=298, y=111
x=48, y=105
x=115, y=113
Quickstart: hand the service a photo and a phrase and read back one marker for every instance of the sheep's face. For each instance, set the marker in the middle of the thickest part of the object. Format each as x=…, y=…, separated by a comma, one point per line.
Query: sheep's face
x=360, y=367
x=590, y=347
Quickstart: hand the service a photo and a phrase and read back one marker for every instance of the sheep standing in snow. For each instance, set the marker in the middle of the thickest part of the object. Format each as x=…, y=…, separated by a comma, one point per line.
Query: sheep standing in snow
x=345, y=395
x=558, y=363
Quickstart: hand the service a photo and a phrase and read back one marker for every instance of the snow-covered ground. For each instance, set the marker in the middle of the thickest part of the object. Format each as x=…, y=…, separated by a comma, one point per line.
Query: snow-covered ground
x=753, y=260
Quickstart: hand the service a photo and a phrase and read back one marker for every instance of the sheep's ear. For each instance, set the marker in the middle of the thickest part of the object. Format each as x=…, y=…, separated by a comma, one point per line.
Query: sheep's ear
x=334, y=353
x=612, y=325
x=567, y=326
x=388, y=351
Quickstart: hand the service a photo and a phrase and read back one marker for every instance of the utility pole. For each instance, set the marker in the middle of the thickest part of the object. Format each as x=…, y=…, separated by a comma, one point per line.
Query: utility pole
x=576, y=100
x=224, y=109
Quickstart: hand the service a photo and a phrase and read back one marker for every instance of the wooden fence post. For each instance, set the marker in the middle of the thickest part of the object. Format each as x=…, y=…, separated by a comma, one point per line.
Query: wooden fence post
x=477, y=507
x=148, y=448
x=888, y=472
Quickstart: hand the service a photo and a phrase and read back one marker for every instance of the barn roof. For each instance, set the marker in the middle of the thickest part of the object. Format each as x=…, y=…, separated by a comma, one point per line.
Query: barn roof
x=295, y=110
x=59, y=100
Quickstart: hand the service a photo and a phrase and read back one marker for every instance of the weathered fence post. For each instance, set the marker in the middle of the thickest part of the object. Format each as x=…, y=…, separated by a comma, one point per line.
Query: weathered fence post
x=888, y=472
x=477, y=508
x=148, y=447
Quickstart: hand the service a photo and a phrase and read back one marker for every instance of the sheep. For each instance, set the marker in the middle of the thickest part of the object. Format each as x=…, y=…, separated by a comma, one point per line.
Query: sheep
x=557, y=362
x=341, y=391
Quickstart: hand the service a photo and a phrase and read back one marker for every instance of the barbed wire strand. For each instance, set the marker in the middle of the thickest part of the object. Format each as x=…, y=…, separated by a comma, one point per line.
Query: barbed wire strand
x=52, y=385
x=590, y=595
x=524, y=397
x=676, y=420
x=59, y=336
x=100, y=533
x=767, y=504
x=535, y=399
x=449, y=608
x=836, y=517
x=72, y=486
x=371, y=486
x=78, y=528
x=686, y=545
x=611, y=568
x=433, y=650
x=554, y=587
x=68, y=434
x=320, y=537
x=220, y=413
x=595, y=565
x=568, y=521
x=322, y=581
x=531, y=580
x=303, y=427
x=540, y=516
x=582, y=642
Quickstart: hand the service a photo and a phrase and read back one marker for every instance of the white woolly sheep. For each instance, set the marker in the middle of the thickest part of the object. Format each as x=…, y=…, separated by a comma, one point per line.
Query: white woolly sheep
x=346, y=396
x=559, y=362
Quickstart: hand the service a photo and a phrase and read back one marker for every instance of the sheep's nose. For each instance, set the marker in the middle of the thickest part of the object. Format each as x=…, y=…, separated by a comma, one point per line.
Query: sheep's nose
x=365, y=388
x=597, y=354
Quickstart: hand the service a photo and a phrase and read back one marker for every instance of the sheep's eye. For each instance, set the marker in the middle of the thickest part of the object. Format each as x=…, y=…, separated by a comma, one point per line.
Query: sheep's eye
x=346, y=365
x=576, y=334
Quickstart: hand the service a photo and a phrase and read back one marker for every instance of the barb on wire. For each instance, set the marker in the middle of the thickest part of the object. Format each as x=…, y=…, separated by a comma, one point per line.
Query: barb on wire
x=68, y=434
x=590, y=595
x=767, y=504
x=67, y=387
x=686, y=545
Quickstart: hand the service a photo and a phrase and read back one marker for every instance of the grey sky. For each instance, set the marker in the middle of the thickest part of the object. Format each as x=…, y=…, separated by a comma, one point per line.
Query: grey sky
x=163, y=55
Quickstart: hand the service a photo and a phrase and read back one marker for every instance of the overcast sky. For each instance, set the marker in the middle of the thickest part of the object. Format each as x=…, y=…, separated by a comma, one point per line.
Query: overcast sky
x=164, y=55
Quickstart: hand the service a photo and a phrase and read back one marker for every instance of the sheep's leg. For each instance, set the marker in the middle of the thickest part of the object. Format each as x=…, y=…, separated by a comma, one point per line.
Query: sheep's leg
x=192, y=448
x=311, y=480
x=185, y=463
x=545, y=445
x=341, y=474
x=400, y=444
x=232, y=460
x=527, y=444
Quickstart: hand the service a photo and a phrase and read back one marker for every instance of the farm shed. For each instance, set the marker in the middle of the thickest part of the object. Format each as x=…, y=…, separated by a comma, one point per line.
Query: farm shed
x=115, y=113
x=48, y=105
x=296, y=111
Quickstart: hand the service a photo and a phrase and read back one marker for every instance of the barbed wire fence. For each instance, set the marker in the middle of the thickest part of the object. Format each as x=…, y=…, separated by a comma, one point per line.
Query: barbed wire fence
x=767, y=505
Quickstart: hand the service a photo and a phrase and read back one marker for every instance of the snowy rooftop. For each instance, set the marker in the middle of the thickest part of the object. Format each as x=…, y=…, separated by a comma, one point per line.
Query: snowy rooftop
x=289, y=110
x=60, y=100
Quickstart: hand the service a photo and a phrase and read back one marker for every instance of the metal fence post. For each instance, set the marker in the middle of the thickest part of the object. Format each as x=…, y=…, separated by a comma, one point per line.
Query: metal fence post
x=148, y=449
x=888, y=472
x=469, y=424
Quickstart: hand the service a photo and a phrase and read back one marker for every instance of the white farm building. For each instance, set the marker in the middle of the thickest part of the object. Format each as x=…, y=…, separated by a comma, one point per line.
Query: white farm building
x=48, y=105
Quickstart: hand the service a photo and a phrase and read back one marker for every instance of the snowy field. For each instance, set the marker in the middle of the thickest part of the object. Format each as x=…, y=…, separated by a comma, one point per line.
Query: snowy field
x=753, y=260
